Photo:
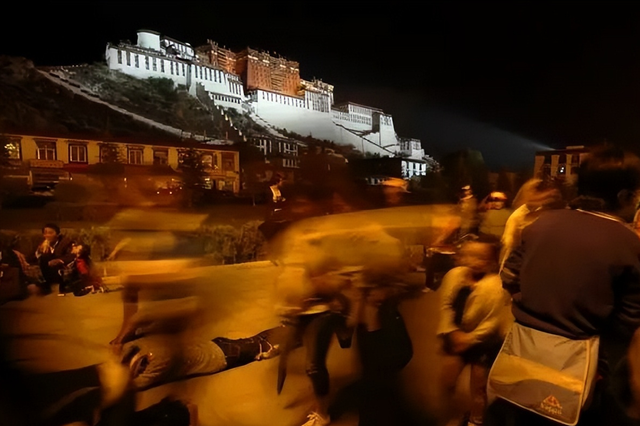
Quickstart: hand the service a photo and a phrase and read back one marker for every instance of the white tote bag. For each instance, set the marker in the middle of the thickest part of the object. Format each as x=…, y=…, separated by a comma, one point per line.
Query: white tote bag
x=547, y=374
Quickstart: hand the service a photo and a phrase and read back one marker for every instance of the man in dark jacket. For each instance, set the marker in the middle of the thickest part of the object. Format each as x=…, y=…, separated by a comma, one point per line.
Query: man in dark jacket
x=577, y=271
x=52, y=255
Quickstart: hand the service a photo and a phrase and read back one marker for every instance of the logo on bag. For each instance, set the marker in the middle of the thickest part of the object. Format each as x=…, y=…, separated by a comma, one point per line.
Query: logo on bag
x=551, y=405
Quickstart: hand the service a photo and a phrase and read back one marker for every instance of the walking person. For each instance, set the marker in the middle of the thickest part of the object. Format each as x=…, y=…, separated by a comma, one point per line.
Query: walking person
x=468, y=210
x=312, y=323
x=384, y=349
x=494, y=214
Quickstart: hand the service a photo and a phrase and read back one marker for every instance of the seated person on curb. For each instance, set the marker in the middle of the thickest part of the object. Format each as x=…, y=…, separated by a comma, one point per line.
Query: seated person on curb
x=79, y=276
x=475, y=318
x=52, y=255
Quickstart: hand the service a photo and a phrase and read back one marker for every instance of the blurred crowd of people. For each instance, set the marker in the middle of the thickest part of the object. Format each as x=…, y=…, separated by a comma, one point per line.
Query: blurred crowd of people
x=541, y=306
x=571, y=273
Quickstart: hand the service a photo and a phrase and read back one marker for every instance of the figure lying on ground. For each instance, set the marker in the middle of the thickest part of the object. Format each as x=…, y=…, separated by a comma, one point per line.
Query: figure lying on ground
x=158, y=351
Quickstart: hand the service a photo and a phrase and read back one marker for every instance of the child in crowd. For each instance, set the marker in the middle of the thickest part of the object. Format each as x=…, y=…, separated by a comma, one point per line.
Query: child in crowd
x=475, y=317
x=79, y=275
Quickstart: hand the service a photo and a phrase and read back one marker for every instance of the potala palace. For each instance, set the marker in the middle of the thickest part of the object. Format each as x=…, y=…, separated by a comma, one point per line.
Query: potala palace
x=270, y=90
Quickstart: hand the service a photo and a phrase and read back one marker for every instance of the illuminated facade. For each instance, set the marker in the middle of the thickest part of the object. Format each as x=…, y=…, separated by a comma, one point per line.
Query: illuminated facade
x=46, y=160
x=159, y=56
x=563, y=164
x=268, y=88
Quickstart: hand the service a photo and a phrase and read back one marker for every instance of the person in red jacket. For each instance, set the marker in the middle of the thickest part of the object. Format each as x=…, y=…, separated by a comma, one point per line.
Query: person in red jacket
x=79, y=275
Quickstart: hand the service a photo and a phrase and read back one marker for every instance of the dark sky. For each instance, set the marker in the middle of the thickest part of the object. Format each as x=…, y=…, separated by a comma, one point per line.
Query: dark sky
x=506, y=78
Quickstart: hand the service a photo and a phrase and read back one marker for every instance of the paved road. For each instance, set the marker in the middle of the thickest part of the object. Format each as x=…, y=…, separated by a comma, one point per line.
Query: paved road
x=54, y=333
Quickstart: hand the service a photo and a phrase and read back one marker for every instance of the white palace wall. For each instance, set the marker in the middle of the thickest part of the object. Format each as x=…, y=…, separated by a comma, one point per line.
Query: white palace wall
x=293, y=114
x=367, y=129
x=224, y=88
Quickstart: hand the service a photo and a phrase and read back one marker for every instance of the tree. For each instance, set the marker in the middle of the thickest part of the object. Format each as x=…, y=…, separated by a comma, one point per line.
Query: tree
x=432, y=165
x=5, y=150
x=111, y=153
x=466, y=167
x=10, y=187
x=504, y=183
x=194, y=173
x=110, y=171
x=252, y=167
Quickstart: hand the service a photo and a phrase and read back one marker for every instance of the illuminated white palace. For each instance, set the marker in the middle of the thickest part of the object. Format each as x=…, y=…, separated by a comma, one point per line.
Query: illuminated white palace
x=270, y=90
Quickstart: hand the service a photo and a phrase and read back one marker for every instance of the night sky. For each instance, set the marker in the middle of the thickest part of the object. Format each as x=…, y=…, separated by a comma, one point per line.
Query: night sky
x=506, y=78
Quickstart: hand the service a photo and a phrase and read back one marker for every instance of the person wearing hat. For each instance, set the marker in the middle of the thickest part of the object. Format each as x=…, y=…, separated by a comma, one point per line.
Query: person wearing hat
x=394, y=190
x=495, y=216
x=468, y=208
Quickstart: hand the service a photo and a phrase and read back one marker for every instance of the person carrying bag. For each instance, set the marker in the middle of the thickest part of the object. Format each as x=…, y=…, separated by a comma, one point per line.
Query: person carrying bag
x=544, y=373
x=575, y=286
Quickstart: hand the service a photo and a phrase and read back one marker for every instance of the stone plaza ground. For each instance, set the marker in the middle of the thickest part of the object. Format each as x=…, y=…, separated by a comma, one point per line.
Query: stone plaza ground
x=53, y=333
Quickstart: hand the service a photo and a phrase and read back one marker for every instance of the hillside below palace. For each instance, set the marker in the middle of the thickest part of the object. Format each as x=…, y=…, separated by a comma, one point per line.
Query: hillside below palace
x=270, y=90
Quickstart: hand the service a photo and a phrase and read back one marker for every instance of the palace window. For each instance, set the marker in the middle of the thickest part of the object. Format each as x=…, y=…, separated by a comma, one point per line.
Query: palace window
x=128, y=58
x=160, y=157
x=161, y=65
x=183, y=71
x=171, y=62
x=134, y=155
x=78, y=153
x=137, y=61
x=46, y=151
x=146, y=62
x=119, y=56
x=155, y=65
